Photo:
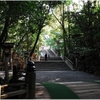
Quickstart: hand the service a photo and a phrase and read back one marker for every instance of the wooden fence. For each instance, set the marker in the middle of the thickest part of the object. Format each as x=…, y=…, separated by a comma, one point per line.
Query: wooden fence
x=19, y=89
x=11, y=94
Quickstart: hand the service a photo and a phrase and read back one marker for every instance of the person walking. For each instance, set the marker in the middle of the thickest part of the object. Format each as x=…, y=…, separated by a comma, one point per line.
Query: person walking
x=46, y=57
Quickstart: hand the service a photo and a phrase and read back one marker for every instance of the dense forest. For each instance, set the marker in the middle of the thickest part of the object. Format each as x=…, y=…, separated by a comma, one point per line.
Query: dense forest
x=71, y=28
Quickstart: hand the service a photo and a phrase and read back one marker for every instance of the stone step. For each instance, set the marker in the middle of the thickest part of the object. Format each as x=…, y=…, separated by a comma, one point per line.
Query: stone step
x=51, y=65
x=50, y=58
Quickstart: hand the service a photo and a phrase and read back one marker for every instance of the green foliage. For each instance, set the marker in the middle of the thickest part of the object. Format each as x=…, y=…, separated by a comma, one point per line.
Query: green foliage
x=87, y=19
x=26, y=18
x=68, y=2
x=86, y=36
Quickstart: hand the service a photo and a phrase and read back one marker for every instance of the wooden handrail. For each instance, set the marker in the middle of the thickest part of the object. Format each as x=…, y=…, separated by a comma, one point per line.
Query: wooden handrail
x=13, y=84
x=13, y=93
x=3, y=86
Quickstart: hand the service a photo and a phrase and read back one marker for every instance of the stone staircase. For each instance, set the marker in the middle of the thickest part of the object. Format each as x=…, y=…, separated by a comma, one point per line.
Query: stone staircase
x=51, y=58
x=51, y=65
x=51, y=53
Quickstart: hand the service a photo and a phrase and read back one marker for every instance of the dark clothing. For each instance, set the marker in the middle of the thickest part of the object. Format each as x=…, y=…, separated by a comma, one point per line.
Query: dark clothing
x=45, y=57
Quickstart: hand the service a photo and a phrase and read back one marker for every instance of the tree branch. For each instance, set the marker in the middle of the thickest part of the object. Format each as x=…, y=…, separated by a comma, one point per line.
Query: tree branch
x=56, y=17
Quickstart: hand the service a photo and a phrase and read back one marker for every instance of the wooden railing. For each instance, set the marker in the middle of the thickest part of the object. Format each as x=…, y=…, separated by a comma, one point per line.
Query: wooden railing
x=9, y=94
x=69, y=63
x=14, y=88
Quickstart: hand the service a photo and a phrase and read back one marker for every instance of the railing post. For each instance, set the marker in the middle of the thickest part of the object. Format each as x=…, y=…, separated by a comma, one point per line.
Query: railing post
x=6, y=69
x=30, y=79
x=15, y=76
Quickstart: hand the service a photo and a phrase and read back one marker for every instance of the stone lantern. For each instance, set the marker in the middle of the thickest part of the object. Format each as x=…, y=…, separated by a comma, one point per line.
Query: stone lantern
x=7, y=53
x=26, y=53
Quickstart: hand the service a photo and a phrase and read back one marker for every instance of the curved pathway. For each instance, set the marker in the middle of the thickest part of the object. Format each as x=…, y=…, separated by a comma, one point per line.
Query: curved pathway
x=79, y=82
x=84, y=90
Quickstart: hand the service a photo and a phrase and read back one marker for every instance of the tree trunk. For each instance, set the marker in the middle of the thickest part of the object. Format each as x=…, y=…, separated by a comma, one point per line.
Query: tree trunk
x=64, y=32
x=32, y=51
x=4, y=34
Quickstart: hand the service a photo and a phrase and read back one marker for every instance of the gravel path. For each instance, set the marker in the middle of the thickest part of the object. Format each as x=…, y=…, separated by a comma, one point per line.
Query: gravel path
x=61, y=76
x=64, y=76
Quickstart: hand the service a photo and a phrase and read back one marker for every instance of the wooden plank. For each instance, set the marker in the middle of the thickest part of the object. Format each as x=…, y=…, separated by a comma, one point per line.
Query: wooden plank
x=13, y=84
x=17, y=84
x=3, y=86
x=13, y=93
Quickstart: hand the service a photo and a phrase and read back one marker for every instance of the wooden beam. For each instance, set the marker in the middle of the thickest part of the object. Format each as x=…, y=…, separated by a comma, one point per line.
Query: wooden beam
x=13, y=93
x=13, y=84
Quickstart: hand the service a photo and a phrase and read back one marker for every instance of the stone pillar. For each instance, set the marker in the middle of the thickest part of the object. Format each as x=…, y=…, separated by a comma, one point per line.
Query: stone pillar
x=7, y=52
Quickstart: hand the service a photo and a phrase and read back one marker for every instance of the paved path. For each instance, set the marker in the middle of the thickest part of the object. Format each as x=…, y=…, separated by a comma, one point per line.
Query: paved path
x=64, y=76
x=79, y=82
x=41, y=92
x=61, y=76
x=84, y=90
